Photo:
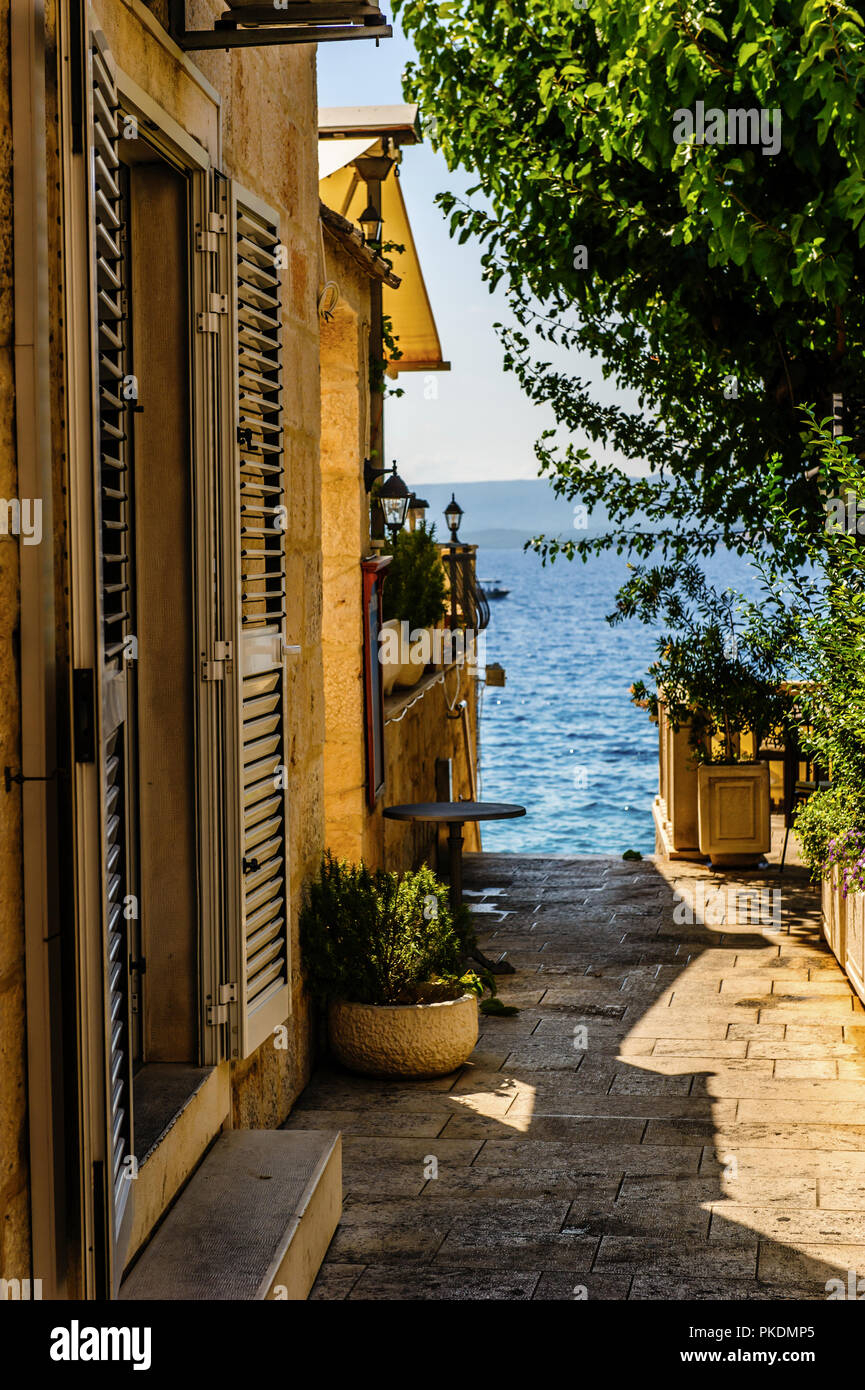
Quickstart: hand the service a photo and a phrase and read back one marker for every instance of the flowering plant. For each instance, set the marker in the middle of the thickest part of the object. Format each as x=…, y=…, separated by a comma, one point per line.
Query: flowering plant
x=846, y=853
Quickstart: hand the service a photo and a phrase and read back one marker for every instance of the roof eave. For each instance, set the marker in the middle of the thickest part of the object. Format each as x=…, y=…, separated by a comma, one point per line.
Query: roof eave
x=352, y=241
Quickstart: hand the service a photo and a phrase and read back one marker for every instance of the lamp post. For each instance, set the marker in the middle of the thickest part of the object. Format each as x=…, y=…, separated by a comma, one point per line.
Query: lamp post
x=453, y=516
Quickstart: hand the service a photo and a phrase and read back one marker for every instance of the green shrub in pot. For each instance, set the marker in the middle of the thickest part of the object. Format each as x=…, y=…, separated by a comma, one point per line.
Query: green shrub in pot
x=415, y=587
x=386, y=956
x=373, y=937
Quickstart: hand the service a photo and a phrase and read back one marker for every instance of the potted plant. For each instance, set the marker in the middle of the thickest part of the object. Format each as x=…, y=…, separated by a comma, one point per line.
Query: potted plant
x=385, y=956
x=718, y=677
x=414, y=597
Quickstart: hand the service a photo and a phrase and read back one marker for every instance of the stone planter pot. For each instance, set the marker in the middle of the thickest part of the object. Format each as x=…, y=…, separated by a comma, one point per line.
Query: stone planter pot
x=733, y=813
x=420, y=1040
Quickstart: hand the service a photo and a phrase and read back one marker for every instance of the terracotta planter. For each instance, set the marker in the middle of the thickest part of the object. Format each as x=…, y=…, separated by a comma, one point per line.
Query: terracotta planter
x=404, y=1039
x=733, y=813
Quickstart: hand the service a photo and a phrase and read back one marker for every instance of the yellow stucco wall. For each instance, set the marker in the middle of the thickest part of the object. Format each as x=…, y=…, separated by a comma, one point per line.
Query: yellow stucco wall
x=14, y=1209
x=424, y=734
x=345, y=540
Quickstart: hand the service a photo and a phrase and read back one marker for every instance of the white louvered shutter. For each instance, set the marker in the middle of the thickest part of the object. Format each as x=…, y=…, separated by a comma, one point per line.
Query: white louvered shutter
x=114, y=674
x=257, y=798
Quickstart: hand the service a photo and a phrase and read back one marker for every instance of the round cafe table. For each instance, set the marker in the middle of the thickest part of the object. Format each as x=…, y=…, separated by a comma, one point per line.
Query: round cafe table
x=455, y=814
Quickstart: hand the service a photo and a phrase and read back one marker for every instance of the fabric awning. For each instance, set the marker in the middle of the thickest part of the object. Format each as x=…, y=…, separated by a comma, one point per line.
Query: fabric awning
x=408, y=307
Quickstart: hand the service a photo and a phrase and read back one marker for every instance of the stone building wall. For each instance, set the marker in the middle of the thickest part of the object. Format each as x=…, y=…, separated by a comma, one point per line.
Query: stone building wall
x=345, y=540
x=424, y=733
x=412, y=745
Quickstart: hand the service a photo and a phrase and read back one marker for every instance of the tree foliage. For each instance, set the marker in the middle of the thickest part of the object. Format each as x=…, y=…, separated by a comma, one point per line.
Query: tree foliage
x=824, y=606
x=720, y=666
x=723, y=286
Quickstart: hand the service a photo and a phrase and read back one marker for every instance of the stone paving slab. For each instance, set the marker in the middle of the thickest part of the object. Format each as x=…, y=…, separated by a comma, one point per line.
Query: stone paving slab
x=434, y=1284
x=705, y=1140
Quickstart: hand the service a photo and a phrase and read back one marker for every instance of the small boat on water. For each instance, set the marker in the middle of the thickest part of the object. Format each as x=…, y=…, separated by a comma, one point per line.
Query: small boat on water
x=493, y=589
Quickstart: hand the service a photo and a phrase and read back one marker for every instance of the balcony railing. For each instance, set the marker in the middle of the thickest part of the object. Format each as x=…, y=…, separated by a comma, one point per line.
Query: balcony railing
x=468, y=605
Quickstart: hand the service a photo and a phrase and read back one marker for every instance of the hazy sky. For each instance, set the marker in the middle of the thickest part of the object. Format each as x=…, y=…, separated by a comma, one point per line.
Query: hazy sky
x=480, y=426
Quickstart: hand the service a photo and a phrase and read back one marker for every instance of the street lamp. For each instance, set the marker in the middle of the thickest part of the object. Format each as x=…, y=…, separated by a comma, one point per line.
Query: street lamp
x=453, y=517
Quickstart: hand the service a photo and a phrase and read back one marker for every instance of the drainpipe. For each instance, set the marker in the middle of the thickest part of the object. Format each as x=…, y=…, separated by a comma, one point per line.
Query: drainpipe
x=38, y=772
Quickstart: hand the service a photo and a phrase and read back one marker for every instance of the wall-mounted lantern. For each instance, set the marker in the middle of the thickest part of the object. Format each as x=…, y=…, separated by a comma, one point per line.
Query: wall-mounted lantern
x=417, y=509
x=394, y=497
x=371, y=225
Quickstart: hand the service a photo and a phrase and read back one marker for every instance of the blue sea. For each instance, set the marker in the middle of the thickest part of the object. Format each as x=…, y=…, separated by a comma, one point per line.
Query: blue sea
x=562, y=738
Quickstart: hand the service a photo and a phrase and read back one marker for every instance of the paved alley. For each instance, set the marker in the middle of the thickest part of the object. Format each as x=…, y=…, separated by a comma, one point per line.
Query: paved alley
x=677, y=1111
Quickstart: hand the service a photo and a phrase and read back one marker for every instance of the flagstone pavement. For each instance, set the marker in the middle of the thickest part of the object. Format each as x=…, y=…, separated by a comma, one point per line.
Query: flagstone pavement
x=677, y=1111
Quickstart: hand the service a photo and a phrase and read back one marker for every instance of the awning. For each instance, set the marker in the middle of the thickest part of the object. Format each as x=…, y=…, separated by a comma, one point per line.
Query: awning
x=408, y=307
x=401, y=122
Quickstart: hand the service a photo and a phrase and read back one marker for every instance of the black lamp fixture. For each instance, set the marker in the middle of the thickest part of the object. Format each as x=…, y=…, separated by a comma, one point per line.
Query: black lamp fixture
x=418, y=505
x=250, y=24
x=453, y=517
x=371, y=225
x=393, y=495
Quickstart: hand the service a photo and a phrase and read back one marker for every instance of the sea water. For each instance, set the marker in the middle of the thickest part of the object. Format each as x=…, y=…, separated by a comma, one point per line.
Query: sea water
x=562, y=737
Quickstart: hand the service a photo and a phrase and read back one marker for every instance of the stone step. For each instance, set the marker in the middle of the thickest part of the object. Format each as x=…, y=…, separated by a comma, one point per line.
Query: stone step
x=253, y=1222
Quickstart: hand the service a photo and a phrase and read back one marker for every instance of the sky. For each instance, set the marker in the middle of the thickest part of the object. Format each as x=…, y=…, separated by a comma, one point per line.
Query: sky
x=479, y=426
